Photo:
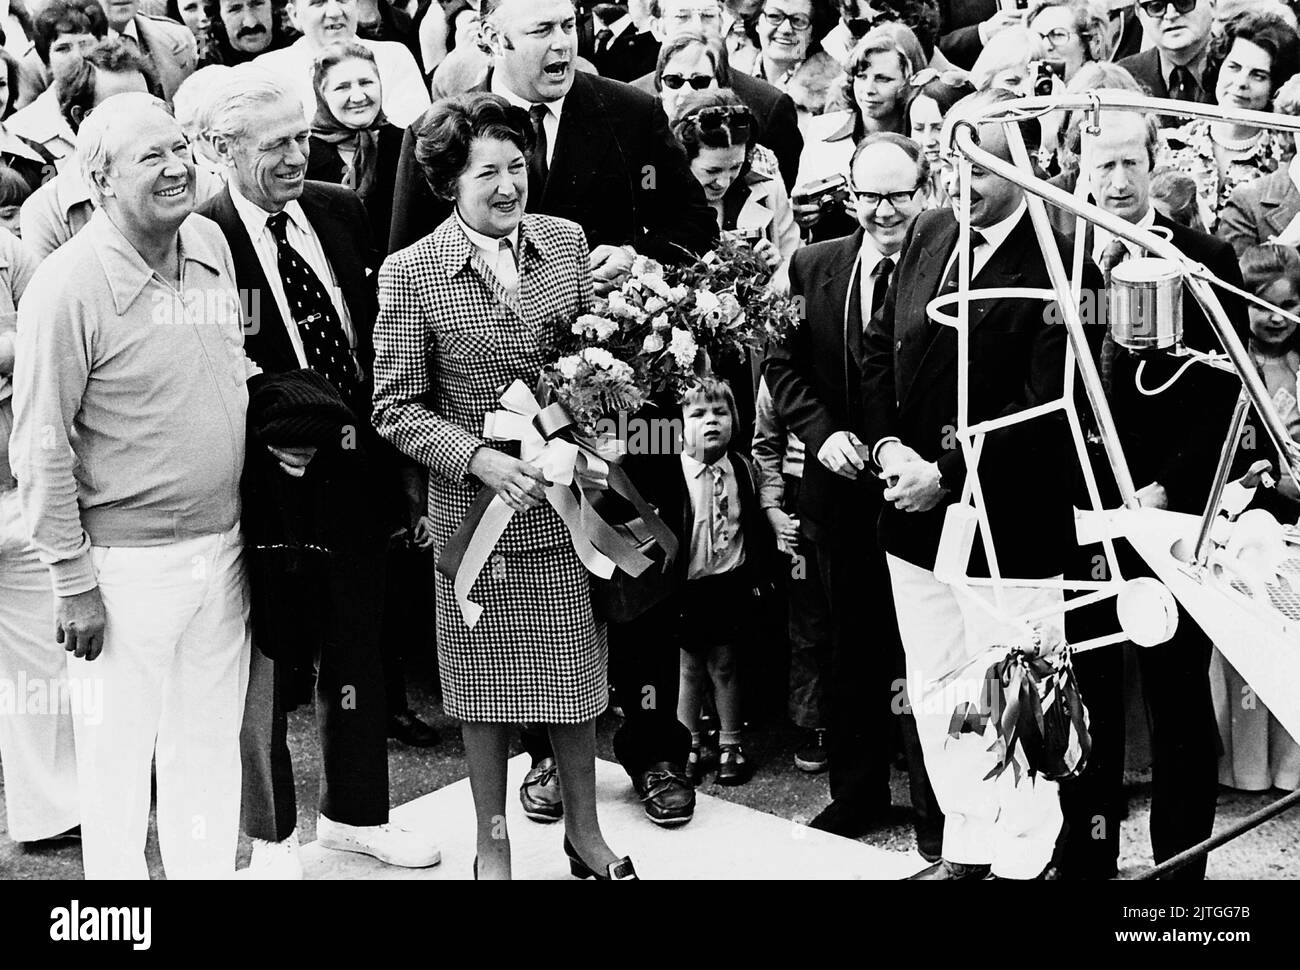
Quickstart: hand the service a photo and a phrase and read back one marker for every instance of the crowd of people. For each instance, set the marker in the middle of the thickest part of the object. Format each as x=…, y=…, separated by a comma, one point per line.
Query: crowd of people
x=265, y=266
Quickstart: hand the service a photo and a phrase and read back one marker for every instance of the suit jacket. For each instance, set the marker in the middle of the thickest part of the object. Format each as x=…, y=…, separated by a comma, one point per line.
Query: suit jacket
x=616, y=171
x=1174, y=438
x=340, y=222
x=816, y=385
x=324, y=164
x=1145, y=68
x=630, y=55
x=1017, y=361
x=172, y=49
x=959, y=21
x=449, y=339
x=1259, y=210
x=774, y=112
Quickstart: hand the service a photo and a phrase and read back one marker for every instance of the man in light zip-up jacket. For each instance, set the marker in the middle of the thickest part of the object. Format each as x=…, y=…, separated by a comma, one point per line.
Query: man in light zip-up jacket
x=128, y=445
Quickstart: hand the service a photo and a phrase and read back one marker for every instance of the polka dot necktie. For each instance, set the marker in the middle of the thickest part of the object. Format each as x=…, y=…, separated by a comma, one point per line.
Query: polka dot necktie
x=323, y=341
x=718, y=537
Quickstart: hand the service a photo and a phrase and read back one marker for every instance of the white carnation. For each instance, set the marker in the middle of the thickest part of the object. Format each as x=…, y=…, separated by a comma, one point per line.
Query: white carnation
x=705, y=301
x=568, y=366
x=599, y=357
x=683, y=348
x=652, y=344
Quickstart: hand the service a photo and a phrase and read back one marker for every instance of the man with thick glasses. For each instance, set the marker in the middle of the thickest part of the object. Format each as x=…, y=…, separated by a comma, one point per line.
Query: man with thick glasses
x=774, y=112
x=815, y=383
x=1181, y=65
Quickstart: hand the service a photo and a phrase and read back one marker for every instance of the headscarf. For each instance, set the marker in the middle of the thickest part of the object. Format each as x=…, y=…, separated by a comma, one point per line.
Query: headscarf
x=360, y=177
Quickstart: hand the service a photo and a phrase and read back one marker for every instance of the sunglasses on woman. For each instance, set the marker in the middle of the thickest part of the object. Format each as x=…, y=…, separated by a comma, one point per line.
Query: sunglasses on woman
x=1155, y=9
x=698, y=82
x=736, y=118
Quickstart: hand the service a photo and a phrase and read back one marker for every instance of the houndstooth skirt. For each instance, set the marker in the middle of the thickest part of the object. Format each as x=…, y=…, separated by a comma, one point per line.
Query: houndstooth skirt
x=537, y=653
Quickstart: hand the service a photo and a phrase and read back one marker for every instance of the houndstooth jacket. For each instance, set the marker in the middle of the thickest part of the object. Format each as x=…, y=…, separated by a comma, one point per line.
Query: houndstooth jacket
x=449, y=340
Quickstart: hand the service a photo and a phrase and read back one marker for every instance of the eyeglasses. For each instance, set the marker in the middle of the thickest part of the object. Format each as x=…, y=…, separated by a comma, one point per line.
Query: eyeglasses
x=872, y=200
x=698, y=82
x=1155, y=9
x=1060, y=35
x=798, y=21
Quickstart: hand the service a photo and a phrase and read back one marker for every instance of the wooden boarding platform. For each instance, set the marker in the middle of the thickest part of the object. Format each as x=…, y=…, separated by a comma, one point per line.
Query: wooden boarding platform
x=723, y=841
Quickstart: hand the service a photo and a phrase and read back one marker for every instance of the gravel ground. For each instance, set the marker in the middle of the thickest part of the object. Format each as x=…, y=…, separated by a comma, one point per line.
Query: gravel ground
x=1269, y=852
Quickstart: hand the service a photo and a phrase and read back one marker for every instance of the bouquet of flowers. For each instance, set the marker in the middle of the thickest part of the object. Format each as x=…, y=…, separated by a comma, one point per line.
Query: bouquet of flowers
x=664, y=329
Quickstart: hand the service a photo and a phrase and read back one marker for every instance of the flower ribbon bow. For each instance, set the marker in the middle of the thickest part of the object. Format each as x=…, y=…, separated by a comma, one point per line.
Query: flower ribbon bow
x=570, y=462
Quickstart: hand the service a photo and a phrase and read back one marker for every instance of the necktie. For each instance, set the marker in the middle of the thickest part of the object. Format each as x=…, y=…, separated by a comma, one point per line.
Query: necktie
x=950, y=278
x=883, y=270
x=1182, y=85
x=323, y=340
x=538, y=169
x=1114, y=254
x=603, y=37
x=717, y=515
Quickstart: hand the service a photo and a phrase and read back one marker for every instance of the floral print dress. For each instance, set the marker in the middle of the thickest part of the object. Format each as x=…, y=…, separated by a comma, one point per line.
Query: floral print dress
x=1190, y=149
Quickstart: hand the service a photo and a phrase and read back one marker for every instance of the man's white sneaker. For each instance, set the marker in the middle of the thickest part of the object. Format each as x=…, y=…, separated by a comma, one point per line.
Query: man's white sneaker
x=387, y=843
x=276, y=860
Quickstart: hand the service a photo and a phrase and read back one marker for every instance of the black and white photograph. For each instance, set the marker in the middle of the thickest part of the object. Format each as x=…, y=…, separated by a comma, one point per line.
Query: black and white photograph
x=761, y=442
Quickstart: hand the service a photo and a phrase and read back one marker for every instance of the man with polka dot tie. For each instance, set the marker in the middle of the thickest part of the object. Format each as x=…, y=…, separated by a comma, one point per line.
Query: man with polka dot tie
x=306, y=270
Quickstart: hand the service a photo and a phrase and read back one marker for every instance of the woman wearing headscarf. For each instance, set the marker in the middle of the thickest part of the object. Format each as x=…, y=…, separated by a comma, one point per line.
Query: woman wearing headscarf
x=352, y=142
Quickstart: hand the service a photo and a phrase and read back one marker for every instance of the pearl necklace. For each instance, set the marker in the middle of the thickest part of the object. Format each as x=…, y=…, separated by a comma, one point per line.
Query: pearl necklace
x=1236, y=145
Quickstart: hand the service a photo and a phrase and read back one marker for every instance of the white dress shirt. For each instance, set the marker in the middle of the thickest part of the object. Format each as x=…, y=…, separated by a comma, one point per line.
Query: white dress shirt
x=1101, y=238
x=500, y=254
x=705, y=560
x=303, y=238
x=551, y=123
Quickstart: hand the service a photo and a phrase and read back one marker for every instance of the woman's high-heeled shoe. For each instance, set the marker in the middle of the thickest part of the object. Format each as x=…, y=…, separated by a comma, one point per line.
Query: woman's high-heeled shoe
x=620, y=871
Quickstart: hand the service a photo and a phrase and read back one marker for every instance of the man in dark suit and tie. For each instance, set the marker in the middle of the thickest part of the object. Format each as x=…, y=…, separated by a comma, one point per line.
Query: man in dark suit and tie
x=617, y=42
x=1172, y=442
x=1181, y=65
x=605, y=158
x=816, y=390
x=304, y=261
x=773, y=109
x=1006, y=825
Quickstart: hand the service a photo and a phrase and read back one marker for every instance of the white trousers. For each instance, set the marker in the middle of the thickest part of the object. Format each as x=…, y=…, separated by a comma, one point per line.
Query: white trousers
x=1012, y=827
x=36, y=748
x=172, y=677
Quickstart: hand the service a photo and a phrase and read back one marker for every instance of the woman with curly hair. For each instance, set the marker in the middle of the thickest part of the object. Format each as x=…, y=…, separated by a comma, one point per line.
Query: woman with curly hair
x=1260, y=52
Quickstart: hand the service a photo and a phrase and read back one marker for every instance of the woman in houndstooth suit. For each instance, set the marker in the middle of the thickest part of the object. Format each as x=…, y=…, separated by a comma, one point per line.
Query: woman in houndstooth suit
x=470, y=308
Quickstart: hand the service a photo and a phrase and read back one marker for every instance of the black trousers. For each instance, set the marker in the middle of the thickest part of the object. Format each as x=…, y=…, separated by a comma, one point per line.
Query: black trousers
x=408, y=625
x=867, y=666
x=351, y=714
x=644, y=670
x=1184, y=741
